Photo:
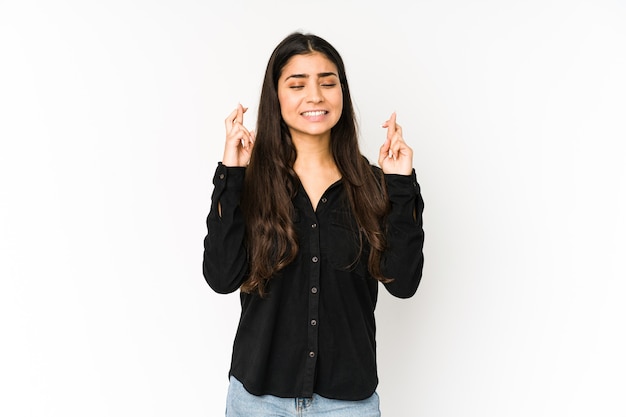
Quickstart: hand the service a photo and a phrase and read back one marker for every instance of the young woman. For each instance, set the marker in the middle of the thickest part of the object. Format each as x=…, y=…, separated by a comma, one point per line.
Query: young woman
x=305, y=227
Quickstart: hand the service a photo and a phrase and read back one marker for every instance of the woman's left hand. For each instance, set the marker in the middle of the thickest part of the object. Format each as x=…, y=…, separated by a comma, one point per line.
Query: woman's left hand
x=396, y=157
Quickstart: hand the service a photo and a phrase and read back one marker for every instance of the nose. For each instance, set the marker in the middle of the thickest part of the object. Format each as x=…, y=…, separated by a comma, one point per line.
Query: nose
x=315, y=94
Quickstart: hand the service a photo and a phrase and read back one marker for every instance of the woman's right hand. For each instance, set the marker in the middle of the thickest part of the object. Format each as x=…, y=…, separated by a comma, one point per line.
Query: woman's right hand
x=239, y=141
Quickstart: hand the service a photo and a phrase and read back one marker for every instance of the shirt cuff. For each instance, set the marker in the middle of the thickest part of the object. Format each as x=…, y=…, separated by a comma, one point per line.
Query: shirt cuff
x=228, y=177
x=402, y=186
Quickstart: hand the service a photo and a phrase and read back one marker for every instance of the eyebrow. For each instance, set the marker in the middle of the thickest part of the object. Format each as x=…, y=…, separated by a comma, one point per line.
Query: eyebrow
x=319, y=75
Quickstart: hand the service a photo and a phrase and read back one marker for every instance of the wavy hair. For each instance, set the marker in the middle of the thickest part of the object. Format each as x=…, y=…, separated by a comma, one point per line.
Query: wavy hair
x=271, y=182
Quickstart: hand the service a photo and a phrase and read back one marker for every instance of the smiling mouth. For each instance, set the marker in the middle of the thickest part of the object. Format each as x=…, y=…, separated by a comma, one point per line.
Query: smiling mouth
x=314, y=113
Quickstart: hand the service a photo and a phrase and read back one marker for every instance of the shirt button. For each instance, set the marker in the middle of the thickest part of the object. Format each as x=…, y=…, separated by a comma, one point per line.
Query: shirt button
x=324, y=199
x=314, y=225
x=311, y=354
x=314, y=290
x=315, y=259
x=313, y=322
x=222, y=176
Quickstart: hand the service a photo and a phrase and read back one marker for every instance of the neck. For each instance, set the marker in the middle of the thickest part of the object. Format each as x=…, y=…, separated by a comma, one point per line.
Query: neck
x=313, y=152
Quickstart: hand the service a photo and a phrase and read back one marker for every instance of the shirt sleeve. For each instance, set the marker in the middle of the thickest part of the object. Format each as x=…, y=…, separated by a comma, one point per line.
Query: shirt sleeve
x=404, y=258
x=225, y=262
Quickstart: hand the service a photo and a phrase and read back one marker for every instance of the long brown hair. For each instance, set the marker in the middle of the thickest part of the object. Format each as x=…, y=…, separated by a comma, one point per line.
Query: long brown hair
x=271, y=182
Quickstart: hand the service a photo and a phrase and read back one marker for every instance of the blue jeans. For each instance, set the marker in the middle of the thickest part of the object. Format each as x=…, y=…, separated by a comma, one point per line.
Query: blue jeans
x=240, y=403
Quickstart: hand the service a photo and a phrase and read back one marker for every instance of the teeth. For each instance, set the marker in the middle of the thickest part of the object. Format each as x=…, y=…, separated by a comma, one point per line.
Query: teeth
x=314, y=113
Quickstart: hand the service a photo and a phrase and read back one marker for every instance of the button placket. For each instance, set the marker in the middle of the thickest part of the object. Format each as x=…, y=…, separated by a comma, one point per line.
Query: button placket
x=313, y=310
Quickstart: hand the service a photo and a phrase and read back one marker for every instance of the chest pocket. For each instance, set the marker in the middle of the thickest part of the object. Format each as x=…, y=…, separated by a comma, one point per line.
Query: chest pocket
x=343, y=243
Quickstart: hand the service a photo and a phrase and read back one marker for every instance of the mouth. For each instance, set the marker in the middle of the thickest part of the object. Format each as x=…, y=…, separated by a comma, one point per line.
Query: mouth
x=314, y=113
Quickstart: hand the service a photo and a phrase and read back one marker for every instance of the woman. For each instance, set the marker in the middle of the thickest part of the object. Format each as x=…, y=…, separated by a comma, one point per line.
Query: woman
x=305, y=227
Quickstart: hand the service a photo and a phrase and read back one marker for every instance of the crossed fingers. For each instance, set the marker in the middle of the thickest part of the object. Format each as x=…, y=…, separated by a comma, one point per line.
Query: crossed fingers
x=395, y=157
x=236, y=131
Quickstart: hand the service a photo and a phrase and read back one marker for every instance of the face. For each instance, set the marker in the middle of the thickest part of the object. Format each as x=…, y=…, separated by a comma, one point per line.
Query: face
x=310, y=96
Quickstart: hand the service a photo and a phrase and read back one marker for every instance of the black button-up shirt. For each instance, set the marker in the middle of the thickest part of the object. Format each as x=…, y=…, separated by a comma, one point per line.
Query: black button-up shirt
x=315, y=330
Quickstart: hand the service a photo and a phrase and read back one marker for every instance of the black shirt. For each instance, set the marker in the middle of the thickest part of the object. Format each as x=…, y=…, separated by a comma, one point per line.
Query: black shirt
x=314, y=332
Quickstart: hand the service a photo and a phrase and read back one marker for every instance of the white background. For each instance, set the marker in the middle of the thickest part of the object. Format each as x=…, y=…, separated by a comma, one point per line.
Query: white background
x=111, y=124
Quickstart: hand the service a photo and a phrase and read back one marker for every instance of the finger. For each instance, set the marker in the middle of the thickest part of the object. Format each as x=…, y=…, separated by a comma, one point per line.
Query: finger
x=391, y=125
x=246, y=139
x=395, y=149
x=385, y=147
x=397, y=143
x=248, y=151
x=391, y=119
x=391, y=129
x=242, y=134
x=240, y=111
x=236, y=116
x=230, y=119
x=251, y=141
x=397, y=137
x=384, y=151
x=238, y=136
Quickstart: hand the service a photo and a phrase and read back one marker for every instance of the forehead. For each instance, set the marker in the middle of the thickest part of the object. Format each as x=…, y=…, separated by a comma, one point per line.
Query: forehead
x=309, y=64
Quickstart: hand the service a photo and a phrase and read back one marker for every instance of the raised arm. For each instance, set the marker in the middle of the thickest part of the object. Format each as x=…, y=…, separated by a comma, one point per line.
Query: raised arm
x=225, y=262
x=404, y=259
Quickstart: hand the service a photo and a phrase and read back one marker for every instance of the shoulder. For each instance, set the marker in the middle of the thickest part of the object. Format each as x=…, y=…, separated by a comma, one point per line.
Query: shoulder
x=375, y=169
x=376, y=176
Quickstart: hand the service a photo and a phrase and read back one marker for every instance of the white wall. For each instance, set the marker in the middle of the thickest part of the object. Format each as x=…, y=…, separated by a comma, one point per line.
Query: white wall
x=111, y=124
